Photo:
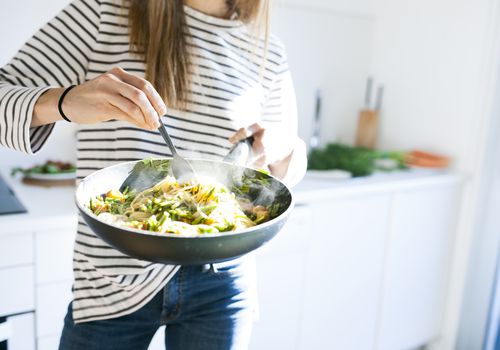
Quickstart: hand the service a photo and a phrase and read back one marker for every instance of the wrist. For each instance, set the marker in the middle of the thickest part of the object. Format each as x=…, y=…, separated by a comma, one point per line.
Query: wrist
x=61, y=101
x=45, y=110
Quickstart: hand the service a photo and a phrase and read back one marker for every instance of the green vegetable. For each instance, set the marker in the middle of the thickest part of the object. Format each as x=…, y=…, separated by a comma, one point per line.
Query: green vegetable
x=274, y=210
x=50, y=167
x=398, y=157
x=357, y=160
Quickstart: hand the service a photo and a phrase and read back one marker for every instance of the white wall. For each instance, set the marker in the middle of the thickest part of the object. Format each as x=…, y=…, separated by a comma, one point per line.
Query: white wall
x=438, y=61
x=428, y=54
x=329, y=50
x=486, y=242
x=356, y=8
x=16, y=26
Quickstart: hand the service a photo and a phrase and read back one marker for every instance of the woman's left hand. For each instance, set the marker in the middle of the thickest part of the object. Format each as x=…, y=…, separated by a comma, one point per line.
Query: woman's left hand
x=285, y=157
x=268, y=147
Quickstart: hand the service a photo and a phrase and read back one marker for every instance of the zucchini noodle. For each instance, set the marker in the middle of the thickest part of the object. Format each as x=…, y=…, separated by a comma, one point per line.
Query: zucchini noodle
x=192, y=208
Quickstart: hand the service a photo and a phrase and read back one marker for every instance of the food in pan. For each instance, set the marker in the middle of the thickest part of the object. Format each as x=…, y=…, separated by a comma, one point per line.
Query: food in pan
x=197, y=207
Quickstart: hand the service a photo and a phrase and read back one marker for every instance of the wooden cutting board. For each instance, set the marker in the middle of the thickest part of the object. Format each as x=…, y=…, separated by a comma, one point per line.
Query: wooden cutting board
x=48, y=183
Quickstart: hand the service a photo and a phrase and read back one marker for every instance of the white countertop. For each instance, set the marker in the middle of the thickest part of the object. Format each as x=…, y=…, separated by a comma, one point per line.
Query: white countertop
x=312, y=189
x=50, y=208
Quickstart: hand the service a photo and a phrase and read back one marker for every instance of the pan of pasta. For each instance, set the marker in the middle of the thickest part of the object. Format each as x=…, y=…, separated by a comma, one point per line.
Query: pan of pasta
x=223, y=213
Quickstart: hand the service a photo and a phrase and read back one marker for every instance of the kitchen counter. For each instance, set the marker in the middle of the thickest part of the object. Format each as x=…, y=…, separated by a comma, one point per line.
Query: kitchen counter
x=312, y=189
x=48, y=208
x=55, y=207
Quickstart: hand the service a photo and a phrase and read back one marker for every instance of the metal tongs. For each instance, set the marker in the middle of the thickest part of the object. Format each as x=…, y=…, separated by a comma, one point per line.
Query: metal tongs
x=241, y=152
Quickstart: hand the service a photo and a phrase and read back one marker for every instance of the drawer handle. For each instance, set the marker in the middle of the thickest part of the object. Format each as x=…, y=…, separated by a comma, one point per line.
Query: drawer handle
x=5, y=331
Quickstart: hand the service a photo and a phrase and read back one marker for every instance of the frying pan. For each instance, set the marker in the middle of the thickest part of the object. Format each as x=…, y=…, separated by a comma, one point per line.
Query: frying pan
x=187, y=250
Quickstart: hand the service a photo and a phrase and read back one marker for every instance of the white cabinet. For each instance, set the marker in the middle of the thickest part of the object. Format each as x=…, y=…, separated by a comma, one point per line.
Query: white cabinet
x=47, y=343
x=280, y=281
x=52, y=303
x=19, y=332
x=17, y=292
x=54, y=255
x=319, y=281
x=36, y=270
x=16, y=249
x=359, y=271
x=280, y=278
x=344, y=273
x=419, y=247
x=54, y=278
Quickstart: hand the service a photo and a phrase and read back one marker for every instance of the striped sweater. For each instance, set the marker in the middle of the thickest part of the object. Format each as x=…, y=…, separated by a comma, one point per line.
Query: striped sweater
x=229, y=88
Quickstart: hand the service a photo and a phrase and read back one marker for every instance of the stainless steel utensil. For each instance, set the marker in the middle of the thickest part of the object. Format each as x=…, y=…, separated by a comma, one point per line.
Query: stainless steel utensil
x=240, y=153
x=181, y=169
x=368, y=92
x=378, y=100
x=315, y=137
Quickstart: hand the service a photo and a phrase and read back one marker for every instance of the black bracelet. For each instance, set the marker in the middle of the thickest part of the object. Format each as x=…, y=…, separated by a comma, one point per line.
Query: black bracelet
x=59, y=104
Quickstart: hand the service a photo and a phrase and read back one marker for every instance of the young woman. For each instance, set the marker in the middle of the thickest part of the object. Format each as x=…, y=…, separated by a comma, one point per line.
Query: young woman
x=118, y=69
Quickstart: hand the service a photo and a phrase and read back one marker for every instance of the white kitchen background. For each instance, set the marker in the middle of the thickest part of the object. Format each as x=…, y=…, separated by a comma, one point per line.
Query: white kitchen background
x=438, y=61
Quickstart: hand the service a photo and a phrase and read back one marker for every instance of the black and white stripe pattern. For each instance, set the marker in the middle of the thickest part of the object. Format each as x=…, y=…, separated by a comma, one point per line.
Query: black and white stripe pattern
x=230, y=88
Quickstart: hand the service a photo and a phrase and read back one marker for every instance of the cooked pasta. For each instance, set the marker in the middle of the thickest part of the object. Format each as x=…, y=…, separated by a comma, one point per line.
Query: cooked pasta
x=197, y=207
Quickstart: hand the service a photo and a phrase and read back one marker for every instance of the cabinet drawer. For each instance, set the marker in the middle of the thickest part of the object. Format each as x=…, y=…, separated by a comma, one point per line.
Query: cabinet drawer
x=52, y=302
x=17, y=292
x=16, y=249
x=54, y=255
x=19, y=332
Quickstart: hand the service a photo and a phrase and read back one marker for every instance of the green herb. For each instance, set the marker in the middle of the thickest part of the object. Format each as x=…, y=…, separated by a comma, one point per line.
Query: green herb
x=49, y=167
x=357, y=160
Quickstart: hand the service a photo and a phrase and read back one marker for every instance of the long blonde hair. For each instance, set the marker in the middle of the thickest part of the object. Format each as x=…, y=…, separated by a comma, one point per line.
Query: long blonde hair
x=157, y=30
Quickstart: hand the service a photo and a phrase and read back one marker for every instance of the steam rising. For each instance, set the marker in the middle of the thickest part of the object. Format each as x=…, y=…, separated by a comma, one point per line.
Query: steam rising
x=263, y=189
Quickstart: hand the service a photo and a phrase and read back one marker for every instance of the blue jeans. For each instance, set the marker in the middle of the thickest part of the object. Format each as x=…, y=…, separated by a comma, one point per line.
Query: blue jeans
x=202, y=308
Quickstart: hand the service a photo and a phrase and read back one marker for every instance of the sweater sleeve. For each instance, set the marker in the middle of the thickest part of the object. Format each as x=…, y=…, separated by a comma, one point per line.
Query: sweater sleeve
x=56, y=56
x=279, y=118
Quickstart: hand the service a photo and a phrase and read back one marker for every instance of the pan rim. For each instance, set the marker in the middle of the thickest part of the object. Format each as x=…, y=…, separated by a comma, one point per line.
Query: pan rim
x=249, y=230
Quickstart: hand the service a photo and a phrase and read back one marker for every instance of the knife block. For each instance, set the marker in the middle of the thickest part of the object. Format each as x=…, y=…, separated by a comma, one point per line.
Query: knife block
x=367, y=130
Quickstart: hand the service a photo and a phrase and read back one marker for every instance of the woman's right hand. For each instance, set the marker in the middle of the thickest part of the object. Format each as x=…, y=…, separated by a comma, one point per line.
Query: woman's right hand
x=116, y=94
